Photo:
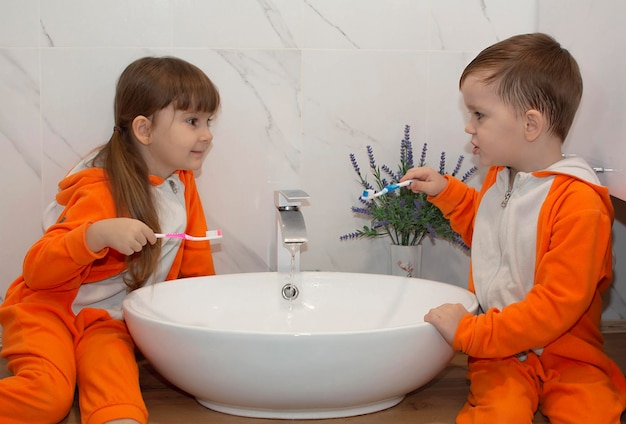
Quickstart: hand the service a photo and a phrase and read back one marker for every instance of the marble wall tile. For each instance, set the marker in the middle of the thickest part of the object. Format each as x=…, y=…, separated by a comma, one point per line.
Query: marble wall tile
x=365, y=24
x=472, y=26
x=309, y=24
x=93, y=23
x=19, y=23
x=20, y=150
x=235, y=24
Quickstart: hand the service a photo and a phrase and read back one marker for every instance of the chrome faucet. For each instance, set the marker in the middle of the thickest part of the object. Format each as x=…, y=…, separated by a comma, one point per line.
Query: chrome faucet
x=290, y=228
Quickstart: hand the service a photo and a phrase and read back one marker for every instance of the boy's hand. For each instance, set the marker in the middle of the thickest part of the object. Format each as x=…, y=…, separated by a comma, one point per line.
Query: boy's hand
x=446, y=319
x=126, y=235
x=425, y=180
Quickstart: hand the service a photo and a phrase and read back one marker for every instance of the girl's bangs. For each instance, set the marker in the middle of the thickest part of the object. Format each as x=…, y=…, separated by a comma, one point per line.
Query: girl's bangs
x=196, y=94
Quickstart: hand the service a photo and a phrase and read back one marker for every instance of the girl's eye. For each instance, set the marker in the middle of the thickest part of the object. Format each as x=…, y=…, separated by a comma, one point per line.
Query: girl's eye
x=192, y=121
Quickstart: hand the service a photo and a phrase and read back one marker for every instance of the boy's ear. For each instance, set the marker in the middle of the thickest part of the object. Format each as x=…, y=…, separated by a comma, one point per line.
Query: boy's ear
x=534, y=124
x=142, y=129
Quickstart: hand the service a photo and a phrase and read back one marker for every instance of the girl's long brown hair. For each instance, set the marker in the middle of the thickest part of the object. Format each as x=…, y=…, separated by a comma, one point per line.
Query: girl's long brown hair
x=146, y=86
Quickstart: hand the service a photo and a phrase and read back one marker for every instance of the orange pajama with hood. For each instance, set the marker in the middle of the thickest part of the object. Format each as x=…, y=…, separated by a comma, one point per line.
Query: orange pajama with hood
x=53, y=348
x=536, y=343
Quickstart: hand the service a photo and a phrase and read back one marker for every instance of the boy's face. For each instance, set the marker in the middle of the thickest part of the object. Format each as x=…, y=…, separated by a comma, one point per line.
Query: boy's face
x=496, y=128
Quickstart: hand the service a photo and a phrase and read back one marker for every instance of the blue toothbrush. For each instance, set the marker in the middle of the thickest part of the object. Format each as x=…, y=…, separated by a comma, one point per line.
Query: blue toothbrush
x=371, y=194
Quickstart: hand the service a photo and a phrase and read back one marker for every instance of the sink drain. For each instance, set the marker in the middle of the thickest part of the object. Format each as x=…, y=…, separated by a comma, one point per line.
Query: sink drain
x=290, y=291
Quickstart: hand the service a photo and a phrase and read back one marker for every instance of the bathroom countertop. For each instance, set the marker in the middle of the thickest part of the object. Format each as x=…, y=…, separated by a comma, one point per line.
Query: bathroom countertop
x=437, y=402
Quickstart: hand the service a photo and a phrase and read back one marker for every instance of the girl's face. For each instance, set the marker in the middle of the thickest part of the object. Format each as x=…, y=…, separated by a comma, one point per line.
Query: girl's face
x=178, y=140
x=496, y=128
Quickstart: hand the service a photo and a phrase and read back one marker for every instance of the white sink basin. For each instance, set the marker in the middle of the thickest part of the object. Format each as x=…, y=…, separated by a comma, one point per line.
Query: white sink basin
x=350, y=344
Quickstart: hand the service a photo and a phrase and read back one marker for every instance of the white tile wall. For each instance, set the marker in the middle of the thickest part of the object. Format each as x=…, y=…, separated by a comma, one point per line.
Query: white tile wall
x=304, y=83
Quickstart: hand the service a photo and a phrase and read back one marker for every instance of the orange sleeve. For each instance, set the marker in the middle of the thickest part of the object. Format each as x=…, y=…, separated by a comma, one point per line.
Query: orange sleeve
x=458, y=202
x=61, y=260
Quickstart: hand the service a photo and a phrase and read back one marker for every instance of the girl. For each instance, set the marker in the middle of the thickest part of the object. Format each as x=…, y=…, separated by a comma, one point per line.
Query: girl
x=62, y=321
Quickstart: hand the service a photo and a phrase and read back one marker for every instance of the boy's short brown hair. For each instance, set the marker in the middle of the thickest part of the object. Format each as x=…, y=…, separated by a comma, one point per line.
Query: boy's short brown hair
x=533, y=71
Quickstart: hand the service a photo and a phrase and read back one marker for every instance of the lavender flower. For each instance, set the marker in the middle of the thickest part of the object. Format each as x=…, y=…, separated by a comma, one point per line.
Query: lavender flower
x=442, y=163
x=457, y=168
x=423, y=155
x=370, y=154
x=355, y=165
x=367, y=203
x=367, y=185
x=469, y=173
x=431, y=231
x=389, y=172
x=350, y=236
x=406, y=147
x=362, y=211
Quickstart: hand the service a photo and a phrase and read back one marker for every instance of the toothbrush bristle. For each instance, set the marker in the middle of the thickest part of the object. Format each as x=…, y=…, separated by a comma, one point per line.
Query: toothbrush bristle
x=368, y=194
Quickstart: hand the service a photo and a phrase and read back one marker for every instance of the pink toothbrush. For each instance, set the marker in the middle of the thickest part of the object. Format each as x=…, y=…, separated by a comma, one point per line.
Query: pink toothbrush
x=210, y=235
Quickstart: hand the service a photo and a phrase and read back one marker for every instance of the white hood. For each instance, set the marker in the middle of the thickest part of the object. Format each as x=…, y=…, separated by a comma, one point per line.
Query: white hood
x=576, y=167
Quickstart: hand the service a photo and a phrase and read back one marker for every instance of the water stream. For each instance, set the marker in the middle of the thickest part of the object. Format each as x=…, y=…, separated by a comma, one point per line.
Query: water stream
x=290, y=290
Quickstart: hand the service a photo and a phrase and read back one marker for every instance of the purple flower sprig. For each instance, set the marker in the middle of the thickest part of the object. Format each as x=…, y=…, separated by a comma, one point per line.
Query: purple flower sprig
x=469, y=174
x=423, y=155
x=406, y=148
x=403, y=216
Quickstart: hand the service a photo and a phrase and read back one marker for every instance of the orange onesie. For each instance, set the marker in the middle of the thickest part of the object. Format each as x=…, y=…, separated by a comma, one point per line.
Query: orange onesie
x=536, y=342
x=54, y=345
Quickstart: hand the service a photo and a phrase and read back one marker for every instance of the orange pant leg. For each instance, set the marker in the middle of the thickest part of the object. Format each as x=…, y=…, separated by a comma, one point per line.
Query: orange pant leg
x=108, y=376
x=40, y=353
x=501, y=391
x=580, y=393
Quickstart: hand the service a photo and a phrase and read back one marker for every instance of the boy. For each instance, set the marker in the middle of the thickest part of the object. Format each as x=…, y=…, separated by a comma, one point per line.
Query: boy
x=540, y=232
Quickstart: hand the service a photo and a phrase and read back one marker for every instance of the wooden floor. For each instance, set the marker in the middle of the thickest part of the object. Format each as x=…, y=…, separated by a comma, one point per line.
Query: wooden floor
x=437, y=402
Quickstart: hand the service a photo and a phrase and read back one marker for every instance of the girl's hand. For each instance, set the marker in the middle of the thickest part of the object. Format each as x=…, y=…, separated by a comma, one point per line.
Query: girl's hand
x=425, y=180
x=446, y=319
x=126, y=235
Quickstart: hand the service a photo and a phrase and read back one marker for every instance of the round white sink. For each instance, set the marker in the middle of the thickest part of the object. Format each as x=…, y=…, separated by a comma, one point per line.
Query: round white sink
x=349, y=344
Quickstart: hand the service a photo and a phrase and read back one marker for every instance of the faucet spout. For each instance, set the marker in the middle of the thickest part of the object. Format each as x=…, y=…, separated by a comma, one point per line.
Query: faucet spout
x=290, y=228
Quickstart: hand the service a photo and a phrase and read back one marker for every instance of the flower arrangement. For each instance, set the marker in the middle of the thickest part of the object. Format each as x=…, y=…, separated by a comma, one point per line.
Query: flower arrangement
x=405, y=217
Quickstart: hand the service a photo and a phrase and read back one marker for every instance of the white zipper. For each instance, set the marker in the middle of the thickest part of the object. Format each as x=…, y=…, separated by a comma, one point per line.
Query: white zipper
x=173, y=186
x=507, y=196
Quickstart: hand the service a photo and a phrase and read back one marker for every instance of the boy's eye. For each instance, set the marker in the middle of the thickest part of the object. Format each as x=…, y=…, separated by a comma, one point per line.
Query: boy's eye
x=478, y=115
